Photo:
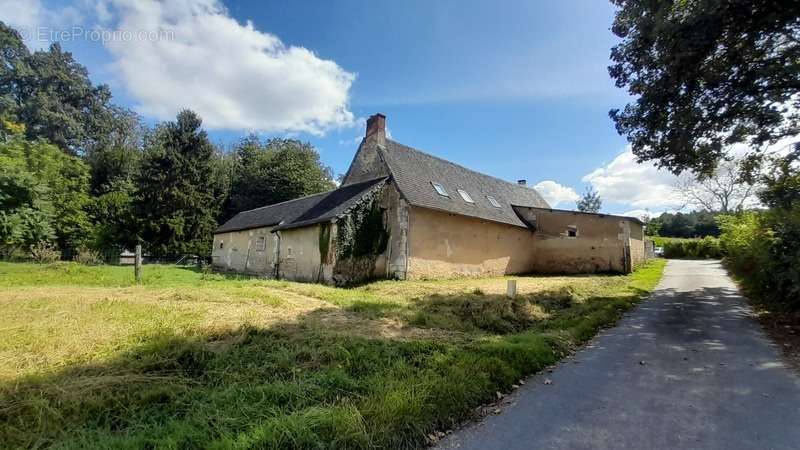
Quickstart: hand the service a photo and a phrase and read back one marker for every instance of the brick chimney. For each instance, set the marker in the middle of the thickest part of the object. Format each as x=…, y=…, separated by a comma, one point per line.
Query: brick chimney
x=522, y=182
x=376, y=129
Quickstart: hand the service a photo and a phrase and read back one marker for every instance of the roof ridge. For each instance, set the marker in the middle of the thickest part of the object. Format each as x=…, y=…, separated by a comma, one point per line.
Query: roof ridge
x=463, y=167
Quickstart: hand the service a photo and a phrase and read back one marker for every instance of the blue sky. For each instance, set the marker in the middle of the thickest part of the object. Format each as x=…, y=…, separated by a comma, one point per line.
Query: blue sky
x=515, y=89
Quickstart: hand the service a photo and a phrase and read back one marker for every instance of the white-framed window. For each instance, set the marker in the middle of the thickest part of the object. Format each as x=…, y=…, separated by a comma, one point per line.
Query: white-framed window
x=465, y=195
x=261, y=244
x=439, y=189
x=493, y=201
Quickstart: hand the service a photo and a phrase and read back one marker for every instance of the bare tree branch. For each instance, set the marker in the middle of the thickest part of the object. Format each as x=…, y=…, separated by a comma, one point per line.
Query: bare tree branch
x=722, y=191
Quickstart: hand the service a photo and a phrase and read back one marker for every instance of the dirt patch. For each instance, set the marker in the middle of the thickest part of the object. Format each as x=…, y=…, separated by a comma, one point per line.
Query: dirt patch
x=337, y=320
x=784, y=329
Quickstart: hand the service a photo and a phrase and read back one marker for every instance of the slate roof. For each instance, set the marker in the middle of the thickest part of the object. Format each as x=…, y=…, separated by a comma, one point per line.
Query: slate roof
x=303, y=211
x=413, y=171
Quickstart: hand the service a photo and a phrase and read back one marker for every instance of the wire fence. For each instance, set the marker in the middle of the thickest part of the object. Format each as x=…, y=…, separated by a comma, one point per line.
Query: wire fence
x=109, y=256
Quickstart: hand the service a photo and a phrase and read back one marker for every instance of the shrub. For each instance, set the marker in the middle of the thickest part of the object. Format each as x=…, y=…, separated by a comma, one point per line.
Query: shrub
x=705, y=248
x=88, y=257
x=763, y=250
x=45, y=253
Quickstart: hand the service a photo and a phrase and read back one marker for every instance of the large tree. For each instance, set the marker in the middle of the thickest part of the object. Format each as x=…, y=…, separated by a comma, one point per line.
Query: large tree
x=706, y=74
x=175, y=202
x=44, y=195
x=51, y=94
x=274, y=171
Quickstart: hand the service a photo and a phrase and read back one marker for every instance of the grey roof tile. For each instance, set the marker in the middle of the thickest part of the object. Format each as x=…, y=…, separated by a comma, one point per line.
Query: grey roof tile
x=413, y=171
x=303, y=211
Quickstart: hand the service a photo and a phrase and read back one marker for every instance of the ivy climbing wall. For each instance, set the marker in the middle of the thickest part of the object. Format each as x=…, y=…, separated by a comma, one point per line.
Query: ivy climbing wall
x=361, y=239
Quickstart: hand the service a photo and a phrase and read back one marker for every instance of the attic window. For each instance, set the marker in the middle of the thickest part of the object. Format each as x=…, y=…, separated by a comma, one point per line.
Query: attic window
x=465, y=196
x=439, y=189
x=493, y=201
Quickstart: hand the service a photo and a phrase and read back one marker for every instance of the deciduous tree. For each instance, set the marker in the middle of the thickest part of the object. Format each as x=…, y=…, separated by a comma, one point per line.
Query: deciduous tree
x=590, y=201
x=274, y=171
x=706, y=74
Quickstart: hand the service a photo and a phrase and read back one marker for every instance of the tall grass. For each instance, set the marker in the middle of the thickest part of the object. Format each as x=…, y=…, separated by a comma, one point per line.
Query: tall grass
x=301, y=383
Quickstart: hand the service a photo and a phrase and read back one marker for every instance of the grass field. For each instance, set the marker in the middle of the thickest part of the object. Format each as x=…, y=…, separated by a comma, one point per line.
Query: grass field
x=190, y=360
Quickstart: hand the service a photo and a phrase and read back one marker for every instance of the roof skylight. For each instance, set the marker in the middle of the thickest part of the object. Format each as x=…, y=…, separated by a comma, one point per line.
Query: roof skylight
x=465, y=196
x=493, y=201
x=439, y=189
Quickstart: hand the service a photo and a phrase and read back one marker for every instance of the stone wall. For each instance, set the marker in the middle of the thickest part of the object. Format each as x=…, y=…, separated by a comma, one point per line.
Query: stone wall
x=383, y=246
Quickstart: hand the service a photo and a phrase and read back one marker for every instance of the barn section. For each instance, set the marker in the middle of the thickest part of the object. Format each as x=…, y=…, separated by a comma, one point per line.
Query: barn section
x=339, y=237
x=576, y=242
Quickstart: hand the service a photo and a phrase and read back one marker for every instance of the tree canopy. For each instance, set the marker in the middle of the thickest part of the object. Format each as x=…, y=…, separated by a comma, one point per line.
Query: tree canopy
x=175, y=204
x=706, y=74
x=51, y=94
x=590, y=201
x=273, y=171
x=43, y=195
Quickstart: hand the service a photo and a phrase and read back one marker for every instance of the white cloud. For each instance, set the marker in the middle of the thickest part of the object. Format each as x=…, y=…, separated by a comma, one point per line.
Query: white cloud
x=233, y=75
x=623, y=180
x=36, y=22
x=555, y=193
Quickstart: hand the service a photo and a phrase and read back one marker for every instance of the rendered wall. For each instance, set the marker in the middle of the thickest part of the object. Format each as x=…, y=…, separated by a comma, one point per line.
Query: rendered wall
x=637, y=244
x=300, y=258
x=443, y=245
x=601, y=243
x=239, y=251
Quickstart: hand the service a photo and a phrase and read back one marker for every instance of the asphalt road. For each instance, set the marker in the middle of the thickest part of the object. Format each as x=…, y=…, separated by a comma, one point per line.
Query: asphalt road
x=688, y=368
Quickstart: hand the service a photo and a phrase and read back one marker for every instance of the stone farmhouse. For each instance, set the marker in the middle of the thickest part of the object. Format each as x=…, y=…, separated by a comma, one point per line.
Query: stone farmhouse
x=404, y=214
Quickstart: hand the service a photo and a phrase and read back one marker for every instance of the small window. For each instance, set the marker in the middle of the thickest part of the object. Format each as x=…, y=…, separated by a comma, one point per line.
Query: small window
x=289, y=252
x=261, y=244
x=493, y=201
x=572, y=231
x=440, y=189
x=465, y=196
x=221, y=244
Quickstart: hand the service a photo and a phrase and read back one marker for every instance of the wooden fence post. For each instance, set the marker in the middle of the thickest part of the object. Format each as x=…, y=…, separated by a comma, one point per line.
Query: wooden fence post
x=137, y=264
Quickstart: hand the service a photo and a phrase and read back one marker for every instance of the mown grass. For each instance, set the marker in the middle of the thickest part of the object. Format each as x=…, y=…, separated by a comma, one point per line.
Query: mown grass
x=190, y=361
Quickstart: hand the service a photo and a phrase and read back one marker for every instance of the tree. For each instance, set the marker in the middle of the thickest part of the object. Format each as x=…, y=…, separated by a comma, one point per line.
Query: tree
x=721, y=191
x=274, y=171
x=590, y=201
x=115, y=153
x=706, y=74
x=44, y=195
x=652, y=225
x=175, y=204
x=51, y=94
